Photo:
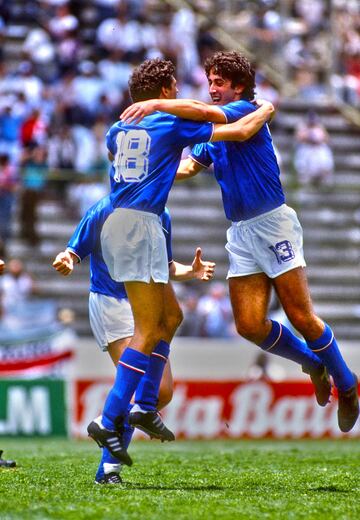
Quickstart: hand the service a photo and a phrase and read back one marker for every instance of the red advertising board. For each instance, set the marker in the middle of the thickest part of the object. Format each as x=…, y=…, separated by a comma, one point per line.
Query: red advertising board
x=233, y=409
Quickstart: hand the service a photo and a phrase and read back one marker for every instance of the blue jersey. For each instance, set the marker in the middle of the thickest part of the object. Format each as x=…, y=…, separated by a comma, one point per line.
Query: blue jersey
x=147, y=156
x=247, y=171
x=86, y=241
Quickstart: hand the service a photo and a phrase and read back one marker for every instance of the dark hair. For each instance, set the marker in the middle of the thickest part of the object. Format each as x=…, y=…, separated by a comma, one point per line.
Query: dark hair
x=147, y=79
x=233, y=66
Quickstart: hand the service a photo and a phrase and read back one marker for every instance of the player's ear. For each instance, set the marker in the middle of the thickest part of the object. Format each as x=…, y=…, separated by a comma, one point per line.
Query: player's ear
x=239, y=89
x=164, y=93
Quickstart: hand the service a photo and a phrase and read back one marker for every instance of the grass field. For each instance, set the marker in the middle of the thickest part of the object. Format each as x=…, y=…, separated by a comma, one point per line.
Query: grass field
x=184, y=480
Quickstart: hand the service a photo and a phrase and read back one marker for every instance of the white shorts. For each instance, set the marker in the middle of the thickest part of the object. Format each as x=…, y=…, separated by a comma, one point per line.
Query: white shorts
x=134, y=247
x=110, y=319
x=271, y=243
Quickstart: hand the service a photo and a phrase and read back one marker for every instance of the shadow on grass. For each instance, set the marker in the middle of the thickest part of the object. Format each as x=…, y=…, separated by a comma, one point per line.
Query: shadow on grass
x=180, y=487
x=330, y=489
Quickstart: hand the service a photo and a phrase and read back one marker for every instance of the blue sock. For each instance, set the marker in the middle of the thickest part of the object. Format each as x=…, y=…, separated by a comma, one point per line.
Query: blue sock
x=147, y=393
x=282, y=342
x=131, y=368
x=106, y=456
x=328, y=351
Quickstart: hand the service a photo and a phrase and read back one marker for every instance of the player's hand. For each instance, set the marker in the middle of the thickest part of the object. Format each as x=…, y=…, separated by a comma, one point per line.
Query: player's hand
x=64, y=263
x=202, y=270
x=266, y=104
x=2, y=266
x=137, y=111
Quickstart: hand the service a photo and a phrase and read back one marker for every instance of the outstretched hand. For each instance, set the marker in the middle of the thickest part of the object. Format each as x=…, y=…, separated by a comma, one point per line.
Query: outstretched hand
x=137, y=111
x=202, y=269
x=63, y=263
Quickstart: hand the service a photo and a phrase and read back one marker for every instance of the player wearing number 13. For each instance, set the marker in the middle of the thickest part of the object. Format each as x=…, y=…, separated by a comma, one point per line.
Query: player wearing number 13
x=265, y=238
x=145, y=159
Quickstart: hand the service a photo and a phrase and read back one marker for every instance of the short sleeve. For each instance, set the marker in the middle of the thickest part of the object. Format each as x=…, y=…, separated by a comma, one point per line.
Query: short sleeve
x=83, y=240
x=110, y=141
x=236, y=110
x=200, y=154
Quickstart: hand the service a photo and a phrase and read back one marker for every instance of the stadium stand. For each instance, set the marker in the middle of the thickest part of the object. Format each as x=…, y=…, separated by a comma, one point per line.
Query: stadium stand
x=330, y=215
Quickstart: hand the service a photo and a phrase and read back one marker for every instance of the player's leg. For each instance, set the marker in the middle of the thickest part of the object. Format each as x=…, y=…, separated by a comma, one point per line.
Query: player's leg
x=294, y=295
x=274, y=240
x=112, y=325
x=166, y=387
x=144, y=413
x=250, y=297
x=134, y=249
x=147, y=394
x=116, y=348
x=109, y=468
x=147, y=304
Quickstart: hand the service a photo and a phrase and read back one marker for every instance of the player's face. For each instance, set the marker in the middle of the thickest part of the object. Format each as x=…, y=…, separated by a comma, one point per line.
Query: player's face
x=173, y=90
x=221, y=91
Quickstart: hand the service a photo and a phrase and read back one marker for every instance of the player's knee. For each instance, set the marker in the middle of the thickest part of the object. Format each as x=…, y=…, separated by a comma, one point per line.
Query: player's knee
x=173, y=321
x=252, y=331
x=152, y=336
x=306, y=323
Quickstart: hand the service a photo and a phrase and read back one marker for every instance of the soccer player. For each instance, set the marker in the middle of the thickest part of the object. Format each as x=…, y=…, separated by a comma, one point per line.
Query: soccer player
x=3, y=462
x=264, y=242
x=145, y=160
x=110, y=313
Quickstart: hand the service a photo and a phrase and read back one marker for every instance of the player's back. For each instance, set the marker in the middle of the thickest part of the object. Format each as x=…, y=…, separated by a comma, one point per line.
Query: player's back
x=86, y=241
x=147, y=156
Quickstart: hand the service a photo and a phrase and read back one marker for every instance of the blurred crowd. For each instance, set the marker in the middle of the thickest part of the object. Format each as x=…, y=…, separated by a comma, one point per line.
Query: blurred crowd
x=207, y=310
x=66, y=84
x=64, y=67
x=312, y=44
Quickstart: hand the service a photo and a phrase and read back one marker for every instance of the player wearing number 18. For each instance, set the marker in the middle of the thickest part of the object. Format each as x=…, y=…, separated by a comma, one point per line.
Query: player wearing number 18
x=145, y=159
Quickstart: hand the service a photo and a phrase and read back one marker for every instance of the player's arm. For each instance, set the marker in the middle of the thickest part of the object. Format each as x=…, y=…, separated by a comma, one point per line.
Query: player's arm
x=184, y=108
x=199, y=269
x=79, y=246
x=2, y=266
x=245, y=127
x=188, y=168
x=65, y=261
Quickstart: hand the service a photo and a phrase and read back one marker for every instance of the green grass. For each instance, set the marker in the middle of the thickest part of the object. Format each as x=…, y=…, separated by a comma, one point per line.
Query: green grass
x=184, y=480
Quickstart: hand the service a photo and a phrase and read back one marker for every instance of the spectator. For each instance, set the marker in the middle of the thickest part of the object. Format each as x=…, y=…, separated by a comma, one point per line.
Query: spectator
x=62, y=22
x=8, y=184
x=29, y=83
x=10, y=127
x=313, y=160
x=16, y=285
x=215, y=312
x=61, y=160
x=192, y=322
x=87, y=89
x=34, y=129
x=34, y=175
x=115, y=71
x=39, y=49
x=184, y=31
